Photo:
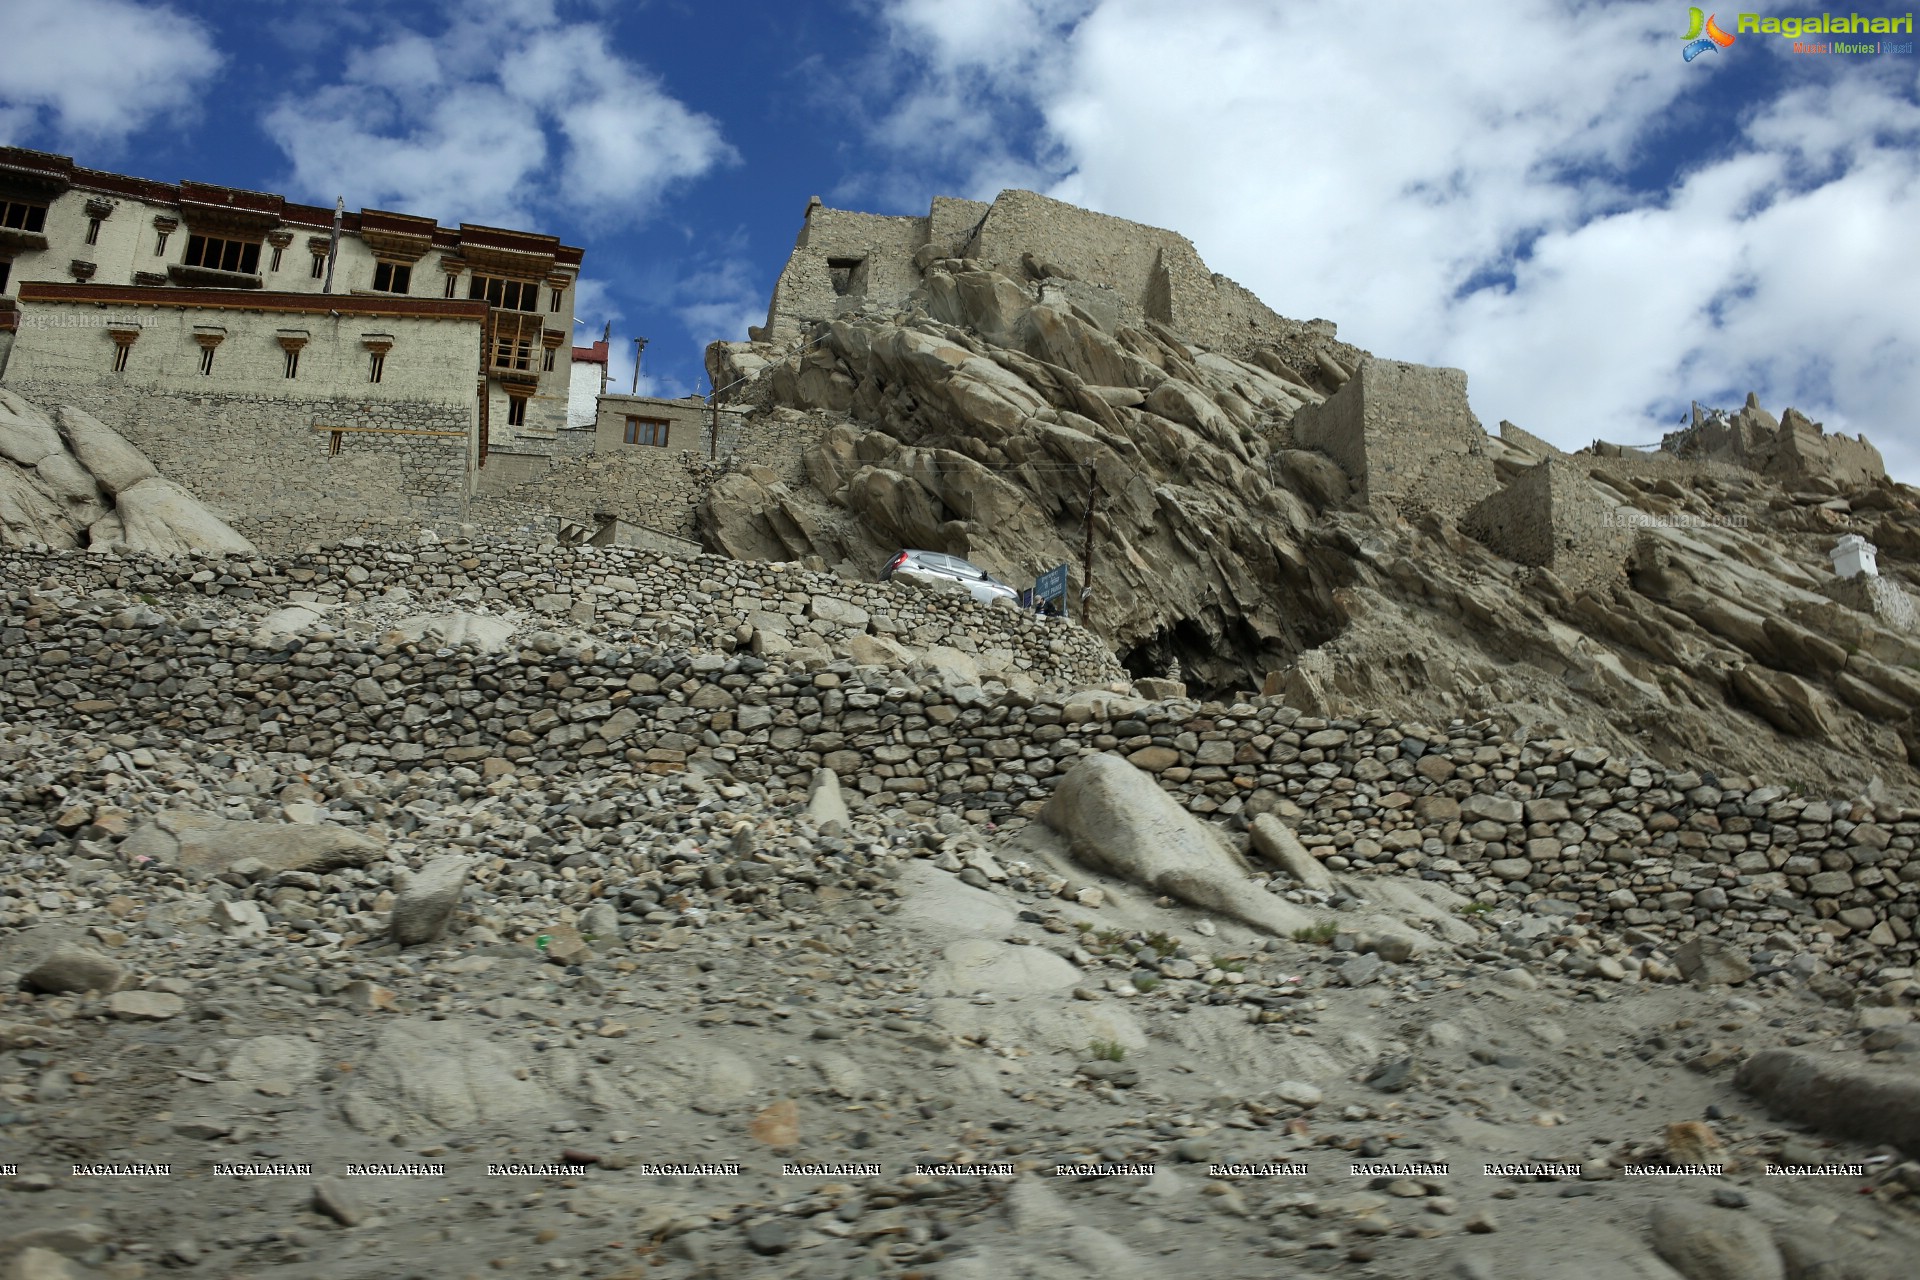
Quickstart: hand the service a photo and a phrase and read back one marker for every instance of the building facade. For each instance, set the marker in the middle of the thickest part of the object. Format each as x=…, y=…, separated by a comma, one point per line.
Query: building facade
x=63, y=224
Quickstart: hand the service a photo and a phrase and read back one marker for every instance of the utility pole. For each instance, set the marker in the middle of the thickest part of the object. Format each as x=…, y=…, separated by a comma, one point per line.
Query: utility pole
x=639, y=346
x=606, y=345
x=713, y=438
x=1086, y=571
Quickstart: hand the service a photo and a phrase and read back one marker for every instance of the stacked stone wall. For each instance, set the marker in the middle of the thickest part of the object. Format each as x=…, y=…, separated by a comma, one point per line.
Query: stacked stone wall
x=268, y=466
x=1567, y=830
x=703, y=600
x=661, y=488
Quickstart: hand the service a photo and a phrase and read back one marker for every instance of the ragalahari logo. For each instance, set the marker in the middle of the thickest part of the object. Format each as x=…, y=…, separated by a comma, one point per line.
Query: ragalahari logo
x=1698, y=43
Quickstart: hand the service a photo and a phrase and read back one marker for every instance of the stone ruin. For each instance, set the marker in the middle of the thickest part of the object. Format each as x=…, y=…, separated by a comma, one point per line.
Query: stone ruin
x=1116, y=271
x=1790, y=449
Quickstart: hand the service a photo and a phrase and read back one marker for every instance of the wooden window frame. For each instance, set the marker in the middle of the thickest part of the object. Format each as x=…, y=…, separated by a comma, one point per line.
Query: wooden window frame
x=376, y=366
x=517, y=410
x=654, y=432
x=242, y=257
x=388, y=275
x=496, y=291
x=24, y=215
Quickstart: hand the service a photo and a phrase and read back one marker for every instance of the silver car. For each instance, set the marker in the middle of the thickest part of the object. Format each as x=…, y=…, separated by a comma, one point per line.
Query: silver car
x=983, y=586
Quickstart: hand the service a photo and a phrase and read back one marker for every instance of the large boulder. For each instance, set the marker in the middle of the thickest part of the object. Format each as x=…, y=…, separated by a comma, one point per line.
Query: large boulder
x=1705, y=1243
x=204, y=845
x=426, y=903
x=25, y=436
x=1276, y=844
x=28, y=513
x=1119, y=820
x=158, y=517
x=103, y=451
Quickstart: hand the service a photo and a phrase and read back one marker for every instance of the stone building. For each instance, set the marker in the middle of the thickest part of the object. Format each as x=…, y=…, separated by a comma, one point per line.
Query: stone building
x=627, y=423
x=1114, y=269
x=294, y=417
x=303, y=383
x=1406, y=438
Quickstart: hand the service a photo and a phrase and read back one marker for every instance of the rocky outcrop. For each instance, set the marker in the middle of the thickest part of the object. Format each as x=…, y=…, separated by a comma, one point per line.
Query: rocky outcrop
x=81, y=484
x=1339, y=529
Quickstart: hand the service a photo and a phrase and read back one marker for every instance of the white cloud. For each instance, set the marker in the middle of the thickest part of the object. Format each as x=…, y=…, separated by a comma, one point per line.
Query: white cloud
x=504, y=113
x=718, y=303
x=60, y=88
x=1452, y=191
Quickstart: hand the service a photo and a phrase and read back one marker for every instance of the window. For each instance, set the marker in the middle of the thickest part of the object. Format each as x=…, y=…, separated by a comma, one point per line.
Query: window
x=160, y=243
x=206, y=360
x=513, y=352
x=453, y=283
x=546, y=363
x=554, y=302
x=93, y=231
x=275, y=264
x=24, y=217
x=120, y=350
x=516, y=411
x=6, y=269
x=392, y=277
x=376, y=366
x=293, y=362
x=509, y=295
x=222, y=255
x=647, y=431
x=847, y=275
x=319, y=266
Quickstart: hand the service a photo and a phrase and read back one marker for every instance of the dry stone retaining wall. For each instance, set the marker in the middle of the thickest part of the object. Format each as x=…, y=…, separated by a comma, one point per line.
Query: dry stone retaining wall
x=1572, y=831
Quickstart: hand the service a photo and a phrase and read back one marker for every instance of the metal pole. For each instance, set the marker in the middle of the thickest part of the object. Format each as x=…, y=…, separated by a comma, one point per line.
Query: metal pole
x=1086, y=572
x=333, y=248
x=639, y=346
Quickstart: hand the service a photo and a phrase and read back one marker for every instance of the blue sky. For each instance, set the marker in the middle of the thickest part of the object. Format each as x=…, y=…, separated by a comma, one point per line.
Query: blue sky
x=1539, y=192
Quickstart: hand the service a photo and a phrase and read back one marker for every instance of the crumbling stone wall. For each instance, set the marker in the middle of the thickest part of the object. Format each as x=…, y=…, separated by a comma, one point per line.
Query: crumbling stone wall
x=1549, y=517
x=807, y=291
x=1791, y=448
x=1405, y=436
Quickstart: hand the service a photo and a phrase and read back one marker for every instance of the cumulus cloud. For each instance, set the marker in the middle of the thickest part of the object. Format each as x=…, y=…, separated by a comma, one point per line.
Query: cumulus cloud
x=506, y=111
x=1564, y=215
x=57, y=90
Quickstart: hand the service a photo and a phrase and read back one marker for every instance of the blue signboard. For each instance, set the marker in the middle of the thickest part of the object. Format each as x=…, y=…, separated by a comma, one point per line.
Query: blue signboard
x=1050, y=591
